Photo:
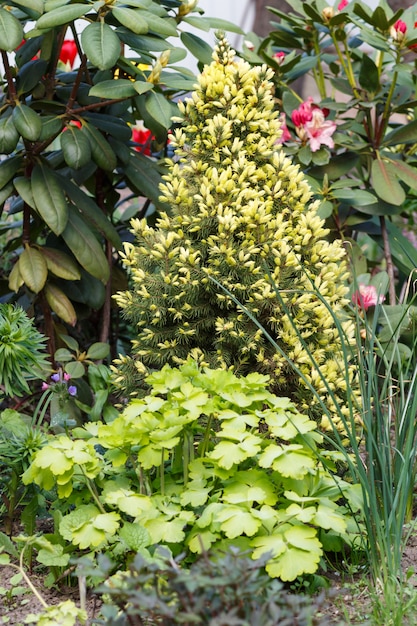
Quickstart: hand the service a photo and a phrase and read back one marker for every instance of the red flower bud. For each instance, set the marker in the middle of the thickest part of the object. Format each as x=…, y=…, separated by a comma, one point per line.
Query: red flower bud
x=68, y=52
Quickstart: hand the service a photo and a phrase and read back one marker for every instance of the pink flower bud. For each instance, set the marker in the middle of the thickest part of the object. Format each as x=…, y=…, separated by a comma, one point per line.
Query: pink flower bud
x=342, y=5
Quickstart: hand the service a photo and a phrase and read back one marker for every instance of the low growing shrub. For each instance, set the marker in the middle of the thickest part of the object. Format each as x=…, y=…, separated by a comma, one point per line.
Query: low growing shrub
x=206, y=460
x=231, y=590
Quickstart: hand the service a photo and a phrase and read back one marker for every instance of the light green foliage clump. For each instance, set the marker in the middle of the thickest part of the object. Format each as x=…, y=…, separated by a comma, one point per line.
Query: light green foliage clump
x=241, y=215
x=206, y=460
x=22, y=350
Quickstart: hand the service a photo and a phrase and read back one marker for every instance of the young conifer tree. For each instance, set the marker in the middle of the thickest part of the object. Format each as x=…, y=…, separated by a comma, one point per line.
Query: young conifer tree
x=240, y=212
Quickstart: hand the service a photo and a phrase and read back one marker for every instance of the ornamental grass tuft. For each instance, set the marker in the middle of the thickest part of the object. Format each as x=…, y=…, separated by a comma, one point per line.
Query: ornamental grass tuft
x=241, y=216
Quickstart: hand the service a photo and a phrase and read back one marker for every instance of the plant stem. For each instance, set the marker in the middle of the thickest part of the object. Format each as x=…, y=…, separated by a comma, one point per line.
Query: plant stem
x=9, y=76
x=318, y=73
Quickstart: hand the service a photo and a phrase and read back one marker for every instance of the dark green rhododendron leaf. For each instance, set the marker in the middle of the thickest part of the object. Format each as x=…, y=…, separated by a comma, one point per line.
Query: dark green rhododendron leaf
x=8, y=169
x=385, y=182
x=159, y=108
x=198, y=47
x=49, y=198
x=159, y=25
x=101, y=45
x=32, y=8
x=101, y=150
x=133, y=20
x=76, y=147
x=369, y=75
x=27, y=122
x=30, y=75
x=24, y=189
x=85, y=247
x=9, y=136
x=11, y=31
x=121, y=88
x=61, y=15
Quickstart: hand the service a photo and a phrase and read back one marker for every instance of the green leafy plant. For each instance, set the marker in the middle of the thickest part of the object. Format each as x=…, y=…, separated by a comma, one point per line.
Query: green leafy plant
x=355, y=135
x=77, y=77
x=240, y=209
x=22, y=351
x=230, y=588
x=206, y=460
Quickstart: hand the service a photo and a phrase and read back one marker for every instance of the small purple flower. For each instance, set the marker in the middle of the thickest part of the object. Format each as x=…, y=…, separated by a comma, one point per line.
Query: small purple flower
x=72, y=390
x=56, y=378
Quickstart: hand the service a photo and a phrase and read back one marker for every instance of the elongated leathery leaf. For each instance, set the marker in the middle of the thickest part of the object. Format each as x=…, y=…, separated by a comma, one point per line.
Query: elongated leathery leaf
x=62, y=15
x=33, y=269
x=85, y=247
x=386, y=183
x=92, y=212
x=27, y=122
x=60, y=304
x=49, y=198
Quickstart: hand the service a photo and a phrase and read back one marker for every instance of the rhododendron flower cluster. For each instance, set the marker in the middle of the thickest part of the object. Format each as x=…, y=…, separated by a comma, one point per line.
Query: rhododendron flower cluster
x=311, y=125
x=366, y=296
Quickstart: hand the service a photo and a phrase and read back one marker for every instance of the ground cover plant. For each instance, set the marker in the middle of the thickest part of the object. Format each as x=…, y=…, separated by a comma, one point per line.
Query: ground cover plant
x=206, y=460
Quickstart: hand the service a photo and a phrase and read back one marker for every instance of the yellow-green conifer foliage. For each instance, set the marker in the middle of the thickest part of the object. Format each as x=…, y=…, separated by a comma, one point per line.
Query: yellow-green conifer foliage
x=240, y=213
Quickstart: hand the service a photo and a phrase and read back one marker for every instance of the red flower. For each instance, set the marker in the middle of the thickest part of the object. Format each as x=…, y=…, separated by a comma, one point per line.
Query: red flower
x=342, y=5
x=143, y=137
x=68, y=52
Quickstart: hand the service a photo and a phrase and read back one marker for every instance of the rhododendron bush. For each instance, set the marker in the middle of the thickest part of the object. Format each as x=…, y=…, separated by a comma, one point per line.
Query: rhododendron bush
x=76, y=78
x=351, y=123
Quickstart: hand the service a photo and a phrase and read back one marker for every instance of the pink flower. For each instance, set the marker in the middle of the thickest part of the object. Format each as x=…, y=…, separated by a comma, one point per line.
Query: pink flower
x=279, y=56
x=319, y=131
x=45, y=386
x=400, y=26
x=303, y=114
x=398, y=30
x=67, y=376
x=367, y=296
x=342, y=5
x=286, y=135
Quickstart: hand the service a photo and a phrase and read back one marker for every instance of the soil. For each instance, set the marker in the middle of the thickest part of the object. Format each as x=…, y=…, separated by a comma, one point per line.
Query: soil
x=348, y=599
